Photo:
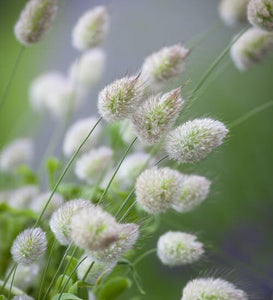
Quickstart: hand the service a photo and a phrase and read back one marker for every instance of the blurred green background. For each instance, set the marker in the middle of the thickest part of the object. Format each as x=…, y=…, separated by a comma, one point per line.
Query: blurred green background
x=236, y=221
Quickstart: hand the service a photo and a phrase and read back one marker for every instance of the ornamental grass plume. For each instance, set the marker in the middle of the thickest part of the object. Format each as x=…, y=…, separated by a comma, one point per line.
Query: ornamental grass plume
x=77, y=133
x=210, y=288
x=233, y=12
x=176, y=248
x=119, y=100
x=16, y=153
x=127, y=237
x=162, y=66
x=91, y=166
x=156, y=116
x=91, y=29
x=60, y=220
x=29, y=246
x=260, y=14
x=195, y=139
x=251, y=48
x=194, y=190
x=88, y=70
x=35, y=21
x=157, y=188
x=94, y=229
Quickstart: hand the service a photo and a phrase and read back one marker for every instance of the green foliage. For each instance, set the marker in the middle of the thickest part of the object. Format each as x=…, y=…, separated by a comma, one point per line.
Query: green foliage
x=113, y=288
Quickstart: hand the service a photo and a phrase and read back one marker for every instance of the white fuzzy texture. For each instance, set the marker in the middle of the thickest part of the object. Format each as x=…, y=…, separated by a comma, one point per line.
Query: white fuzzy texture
x=88, y=70
x=260, y=14
x=96, y=271
x=61, y=219
x=93, y=229
x=233, y=12
x=160, y=67
x=155, y=117
x=251, y=48
x=195, y=139
x=37, y=204
x=35, y=21
x=157, y=188
x=194, y=190
x=119, y=100
x=91, y=29
x=127, y=237
x=18, y=152
x=77, y=133
x=176, y=248
x=92, y=165
x=22, y=197
x=29, y=246
x=210, y=288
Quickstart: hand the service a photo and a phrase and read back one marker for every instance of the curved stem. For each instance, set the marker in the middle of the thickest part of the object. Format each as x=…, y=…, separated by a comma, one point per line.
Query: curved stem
x=8, y=276
x=12, y=280
x=88, y=270
x=144, y=255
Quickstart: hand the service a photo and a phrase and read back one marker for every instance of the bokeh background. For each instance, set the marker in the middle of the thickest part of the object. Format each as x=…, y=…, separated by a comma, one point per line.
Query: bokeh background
x=236, y=221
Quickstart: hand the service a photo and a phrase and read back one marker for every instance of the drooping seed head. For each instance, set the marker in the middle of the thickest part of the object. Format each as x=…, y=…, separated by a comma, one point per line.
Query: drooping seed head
x=260, y=14
x=93, y=229
x=88, y=70
x=22, y=197
x=155, y=117
x=61, y=219
x=96, y=271
x=127, y=237
x=251, y=48
x=195, y=139
x=77, y=133
x=29, y=246
x=91, y=29
x=18, y=152
x=233, y=12
x=35, y=21
x=92, y=165
x=210, y=288
x=176, y=248
x=164, y=65
x=119, y=100
x=157, y=189
x=194, y=190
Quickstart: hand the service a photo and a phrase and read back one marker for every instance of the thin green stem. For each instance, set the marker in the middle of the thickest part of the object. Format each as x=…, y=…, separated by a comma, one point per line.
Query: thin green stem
x=46, y=268
x=15, y=66
x=127, y=211
x=8, y=276
x=116, y=170
x=125, y=202
x=12, y=280
x=88, y=271
x=250, y=114
x=65, y=171
x=139, y=259
x=72, y=273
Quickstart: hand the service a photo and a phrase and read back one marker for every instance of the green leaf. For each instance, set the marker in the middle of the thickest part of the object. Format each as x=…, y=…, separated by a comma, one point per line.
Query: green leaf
x=113, y=288
x=66, y=296
x=73, y=264
x=28, y=175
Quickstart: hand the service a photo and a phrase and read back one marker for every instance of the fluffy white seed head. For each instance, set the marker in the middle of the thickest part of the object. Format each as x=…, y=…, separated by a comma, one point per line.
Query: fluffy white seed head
x=37, y=204
x=22, y=197
x=195, y=139
x=260, y=14
x=18, y=152
x=92, y=165
x=176, y=248
x=88, y=70
x=251, y=48
x=77, y=133
x=233, y=11
x=194, y=190
x=35, y=21
x=29, y=246
x=91, y=29
x=164, y=65
x=96, y=271
x=118, y=100
x=157, y=189
x=61, y=219
x=127, y=237
x=155, y=117
x=210, y=288
x=93, y=229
